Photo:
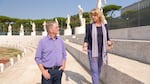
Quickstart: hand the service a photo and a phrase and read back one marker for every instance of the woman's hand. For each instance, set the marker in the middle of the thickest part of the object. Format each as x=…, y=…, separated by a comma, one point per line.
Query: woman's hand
x=85, y=46
x=110, y=45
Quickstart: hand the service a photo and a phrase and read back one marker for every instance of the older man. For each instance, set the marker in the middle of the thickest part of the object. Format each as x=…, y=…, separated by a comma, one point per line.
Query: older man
x=51, y=55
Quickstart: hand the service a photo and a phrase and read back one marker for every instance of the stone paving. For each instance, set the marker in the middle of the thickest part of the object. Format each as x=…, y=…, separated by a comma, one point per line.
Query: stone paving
x=75, y=73
x=26, y=71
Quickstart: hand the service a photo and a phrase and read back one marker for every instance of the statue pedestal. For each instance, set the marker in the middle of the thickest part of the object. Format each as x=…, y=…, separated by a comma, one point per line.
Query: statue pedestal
x=21, y=34
x=80, y=30
x=73, y=36
x=33, y=33
x=68, y=31
x=44, y=33
x=9, y=34
x=58, y=34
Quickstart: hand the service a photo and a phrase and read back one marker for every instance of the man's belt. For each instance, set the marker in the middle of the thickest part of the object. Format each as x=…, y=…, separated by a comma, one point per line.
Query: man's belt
x=53, y=68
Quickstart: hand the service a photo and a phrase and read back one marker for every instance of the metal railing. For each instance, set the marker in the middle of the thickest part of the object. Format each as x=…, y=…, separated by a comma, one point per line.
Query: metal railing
x=131, y=19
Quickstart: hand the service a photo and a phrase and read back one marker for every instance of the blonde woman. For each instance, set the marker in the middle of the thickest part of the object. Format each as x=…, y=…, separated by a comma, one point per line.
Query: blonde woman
x=95, y=43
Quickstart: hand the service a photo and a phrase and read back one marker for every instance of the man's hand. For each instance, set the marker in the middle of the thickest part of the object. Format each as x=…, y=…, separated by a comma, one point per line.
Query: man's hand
x=63, y=65
x=62, y=68
x=46, y=74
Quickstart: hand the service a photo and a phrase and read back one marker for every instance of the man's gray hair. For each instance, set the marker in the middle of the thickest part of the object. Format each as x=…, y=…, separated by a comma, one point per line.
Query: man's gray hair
x=49, y=25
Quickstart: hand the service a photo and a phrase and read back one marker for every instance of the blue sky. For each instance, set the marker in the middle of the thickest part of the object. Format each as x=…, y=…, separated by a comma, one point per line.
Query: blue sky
x=38, y=9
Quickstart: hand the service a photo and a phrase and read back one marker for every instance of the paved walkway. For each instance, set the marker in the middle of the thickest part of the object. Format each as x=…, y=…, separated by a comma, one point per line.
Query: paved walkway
x=75, y=73
x=26, y=71
x=135, y=69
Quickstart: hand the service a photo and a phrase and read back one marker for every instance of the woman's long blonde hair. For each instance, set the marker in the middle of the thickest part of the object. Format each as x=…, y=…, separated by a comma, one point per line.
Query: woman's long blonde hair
x=99, y=13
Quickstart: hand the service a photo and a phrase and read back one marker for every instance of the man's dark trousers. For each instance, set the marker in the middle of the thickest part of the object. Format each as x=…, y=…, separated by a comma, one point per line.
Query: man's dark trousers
x=55, y=78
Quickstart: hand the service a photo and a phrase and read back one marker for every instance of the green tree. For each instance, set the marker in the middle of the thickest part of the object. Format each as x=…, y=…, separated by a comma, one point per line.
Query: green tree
x=87, y=17
x=110, y=9
x=74, y=22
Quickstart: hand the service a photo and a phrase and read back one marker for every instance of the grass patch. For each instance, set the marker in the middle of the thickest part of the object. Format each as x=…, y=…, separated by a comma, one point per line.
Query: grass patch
x=6, y=53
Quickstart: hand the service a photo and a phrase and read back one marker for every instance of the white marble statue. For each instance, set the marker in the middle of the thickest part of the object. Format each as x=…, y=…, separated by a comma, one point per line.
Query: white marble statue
x=44, y=33
x=33, y=26
x=9, y=28
x=33, y=33
x=58, y=24
x=81, y=14
x=68, y=22
x=81, y=28
x=44, y=26
x=68, y=30
x=99, y=3
x=21, y=28
x=56, y=21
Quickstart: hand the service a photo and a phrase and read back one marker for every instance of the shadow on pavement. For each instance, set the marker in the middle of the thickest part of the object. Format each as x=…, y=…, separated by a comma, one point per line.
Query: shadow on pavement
x=38, y=83
x=76, y=77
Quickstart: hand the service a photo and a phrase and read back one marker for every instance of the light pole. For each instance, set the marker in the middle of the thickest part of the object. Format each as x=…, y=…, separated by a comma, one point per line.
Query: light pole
x=127, y=19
